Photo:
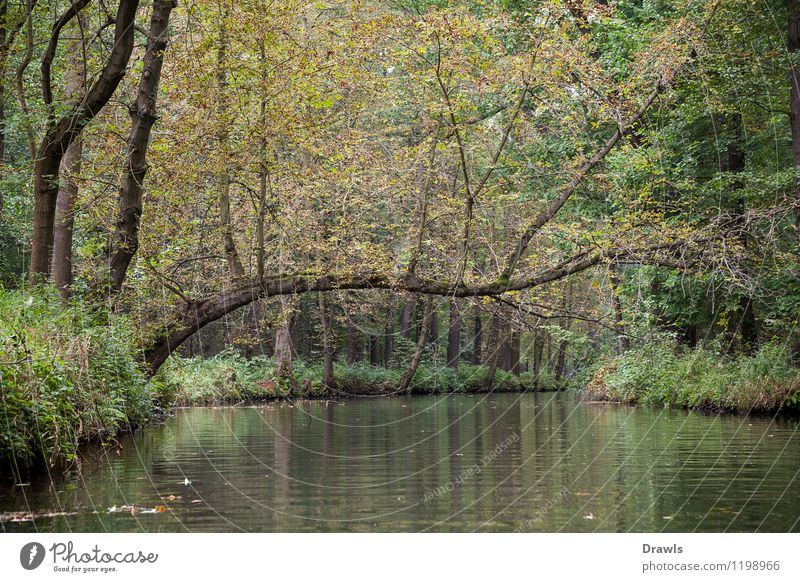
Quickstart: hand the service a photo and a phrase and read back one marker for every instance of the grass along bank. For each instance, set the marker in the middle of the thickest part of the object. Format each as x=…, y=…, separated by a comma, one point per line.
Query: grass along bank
x=664, y=375
x=67, y=375
x=229, y=377
x=73, y=374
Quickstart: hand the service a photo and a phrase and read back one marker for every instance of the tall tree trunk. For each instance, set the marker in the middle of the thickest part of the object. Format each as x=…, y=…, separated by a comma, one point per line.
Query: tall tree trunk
x=388, y=340
x=235, y=268
x=60, y=134
x=143, y=116
x=563, y=345
x=374, y=350
x=406, y=317
x=61, y=268
x=538, y=350
x=477, y=338
x=433, y=334
x=494, y=347
x=454, y=336
x=284, y=352
x=408, y=375
x=505, y=352
x=623, y=343
x=514, y=348
x=61, y=272
x=327, y=343
x=352, y=341
x=561, y=362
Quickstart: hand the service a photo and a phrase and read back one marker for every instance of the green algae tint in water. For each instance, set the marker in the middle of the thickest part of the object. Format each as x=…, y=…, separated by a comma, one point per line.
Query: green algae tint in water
x=510, y=462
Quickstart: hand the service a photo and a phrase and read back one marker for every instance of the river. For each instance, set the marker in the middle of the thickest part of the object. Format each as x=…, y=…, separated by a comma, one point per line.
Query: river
x=503, y=462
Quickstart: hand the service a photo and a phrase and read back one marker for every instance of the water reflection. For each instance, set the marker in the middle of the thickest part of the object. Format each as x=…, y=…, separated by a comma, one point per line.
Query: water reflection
x=508, y=462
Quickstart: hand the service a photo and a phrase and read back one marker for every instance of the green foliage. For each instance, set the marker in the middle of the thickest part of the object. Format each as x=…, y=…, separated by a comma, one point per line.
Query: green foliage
x=67, y=375
x=230, y=377
x=659, y=374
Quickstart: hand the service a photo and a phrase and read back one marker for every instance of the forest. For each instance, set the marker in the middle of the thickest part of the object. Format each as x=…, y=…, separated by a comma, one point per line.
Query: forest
x=209, y=201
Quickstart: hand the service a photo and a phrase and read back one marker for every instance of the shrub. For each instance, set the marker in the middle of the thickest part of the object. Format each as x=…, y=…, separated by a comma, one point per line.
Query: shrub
x=659, y=373
x=67, y=375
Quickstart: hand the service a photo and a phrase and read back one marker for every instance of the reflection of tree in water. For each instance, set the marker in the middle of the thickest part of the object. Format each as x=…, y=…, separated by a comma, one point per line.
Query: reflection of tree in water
x=168, y=446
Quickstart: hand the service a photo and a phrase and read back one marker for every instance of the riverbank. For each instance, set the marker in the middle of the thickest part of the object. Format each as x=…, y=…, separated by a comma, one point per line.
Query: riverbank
x=71, y=375
x=230, y=377
x=68, y=375
x=661, y=374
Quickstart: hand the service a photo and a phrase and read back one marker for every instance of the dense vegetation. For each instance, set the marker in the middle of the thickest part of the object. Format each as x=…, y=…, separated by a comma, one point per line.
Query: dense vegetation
x=67, y=375
x=222, y=200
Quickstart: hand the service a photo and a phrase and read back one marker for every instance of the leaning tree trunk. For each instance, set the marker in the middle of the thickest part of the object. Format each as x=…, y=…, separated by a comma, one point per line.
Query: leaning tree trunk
x=143, y=116
x=408, y=375
x=60, y=134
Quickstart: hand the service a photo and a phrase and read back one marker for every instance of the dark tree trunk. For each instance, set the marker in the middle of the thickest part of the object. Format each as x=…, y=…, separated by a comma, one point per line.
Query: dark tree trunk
x=561, y=362
x=60, y=134
x=506, y=352
x=406, y=317
x=494, y=348
x=327, y=343
x=352, y=341
x=477, y=338
x=433, y=335
x=408, y=375
x=623, y=343
x=538, y=350
x=388, y=341
x=454, y=336
x=514, y=344
x=374, y=351
x=143, y=116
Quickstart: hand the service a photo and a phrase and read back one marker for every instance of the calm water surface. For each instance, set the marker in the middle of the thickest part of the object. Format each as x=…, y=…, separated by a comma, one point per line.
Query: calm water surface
x=525, y=462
